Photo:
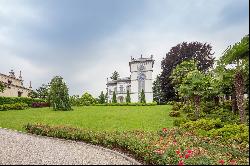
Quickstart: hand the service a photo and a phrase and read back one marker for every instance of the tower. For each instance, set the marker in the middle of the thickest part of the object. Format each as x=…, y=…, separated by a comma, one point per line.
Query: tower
x=141, y=78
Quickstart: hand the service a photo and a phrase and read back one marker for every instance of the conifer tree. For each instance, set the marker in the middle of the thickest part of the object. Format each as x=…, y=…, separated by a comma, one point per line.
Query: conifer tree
x=114, y=98
x=128, y=99
x=143, y=99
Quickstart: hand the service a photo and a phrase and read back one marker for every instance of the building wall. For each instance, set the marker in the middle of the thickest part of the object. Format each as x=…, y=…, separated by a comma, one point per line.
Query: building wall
x=15, y=87
x=13, y=92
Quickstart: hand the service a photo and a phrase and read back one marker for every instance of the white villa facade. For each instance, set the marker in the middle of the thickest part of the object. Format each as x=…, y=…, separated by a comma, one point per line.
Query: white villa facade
x=13, y=85
x=141, y=70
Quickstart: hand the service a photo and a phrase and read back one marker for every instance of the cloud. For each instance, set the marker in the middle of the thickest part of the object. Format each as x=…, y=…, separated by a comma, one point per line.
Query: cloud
x=85, y=41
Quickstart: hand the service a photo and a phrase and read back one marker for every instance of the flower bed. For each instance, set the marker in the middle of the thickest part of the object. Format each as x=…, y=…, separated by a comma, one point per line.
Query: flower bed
x=168, y=146
x=39, y=104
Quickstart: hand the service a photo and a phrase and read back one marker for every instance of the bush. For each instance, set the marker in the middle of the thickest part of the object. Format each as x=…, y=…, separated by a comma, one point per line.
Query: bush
x=208, y=107
x=187, y=108
x=235, y=132
x=127, y=104
x=39, y=104
x=227, y=104
x=204, y=124
x=13, y=100
x=177, y=106
x=174, y=114
x=16, y=106
x=179, y=121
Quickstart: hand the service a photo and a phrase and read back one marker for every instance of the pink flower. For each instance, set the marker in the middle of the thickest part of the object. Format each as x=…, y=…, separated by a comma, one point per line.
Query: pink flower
x=174, y=142
x=164, y=129
x=181, y=162
x=221, y=162
x=233, y=162
x=159, y=151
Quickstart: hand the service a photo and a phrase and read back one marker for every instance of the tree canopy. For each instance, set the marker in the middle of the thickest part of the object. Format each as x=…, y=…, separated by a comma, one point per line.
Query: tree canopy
x=115, y=75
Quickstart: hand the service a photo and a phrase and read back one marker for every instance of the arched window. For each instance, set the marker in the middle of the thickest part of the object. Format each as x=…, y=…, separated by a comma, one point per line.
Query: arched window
x=141, y=82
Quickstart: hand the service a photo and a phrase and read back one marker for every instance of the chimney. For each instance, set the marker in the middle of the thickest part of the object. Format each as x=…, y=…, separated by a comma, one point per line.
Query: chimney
x=30, y=85
x=20, y=76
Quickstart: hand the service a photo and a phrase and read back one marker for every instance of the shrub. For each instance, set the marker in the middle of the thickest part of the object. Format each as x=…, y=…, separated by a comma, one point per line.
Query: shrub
x=39, y=104
x=204, y=124
x=174, y=114
x=179, y=121
x=235, y=132
x=227, y=104
x=187, y=108
x=208, y=107
x=13, y=100
x=15, y=106
x=177, y=106
x=191, y=116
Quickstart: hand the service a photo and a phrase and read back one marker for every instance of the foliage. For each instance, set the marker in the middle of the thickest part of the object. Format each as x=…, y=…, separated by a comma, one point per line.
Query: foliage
x=15, y=106
x=114, y=100
x=33, y=94
x=75, y=100
x=115, y=75
x=87, y=99
x=174, y=114
x=2, y=87
x=106, y=97
x=187, y=108
x=239, y=133
x=157, y=91
x=165, y=147
x=13, y=100
x=204, y=124
x=200, y=52
x=58, y=94
x=128, y=99
x=39, y=104
x=177, y=106
x=101, y=98
x=142, y=97
x=178, y=121
x=43, y=91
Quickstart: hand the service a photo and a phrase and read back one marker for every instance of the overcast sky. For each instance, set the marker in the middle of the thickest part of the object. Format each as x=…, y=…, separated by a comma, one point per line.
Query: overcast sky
x=84, y=41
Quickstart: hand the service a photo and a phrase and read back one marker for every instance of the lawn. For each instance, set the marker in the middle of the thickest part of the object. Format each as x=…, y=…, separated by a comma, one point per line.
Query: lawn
x=122, y=118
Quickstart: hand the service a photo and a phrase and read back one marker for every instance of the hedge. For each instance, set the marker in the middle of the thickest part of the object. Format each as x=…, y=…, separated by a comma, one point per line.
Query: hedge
x=127, y=104
x=13, y=100
x=15, y=106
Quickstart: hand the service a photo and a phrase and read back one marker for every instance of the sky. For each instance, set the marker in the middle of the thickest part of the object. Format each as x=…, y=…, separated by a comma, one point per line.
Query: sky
x=85, y=41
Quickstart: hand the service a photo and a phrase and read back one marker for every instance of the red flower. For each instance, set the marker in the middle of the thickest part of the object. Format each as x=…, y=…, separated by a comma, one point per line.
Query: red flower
x=181, y=162
x=221, y=162
x=181, y=156
x=187, y=156
x=178, y=152
x=189, y=151
x=164, y=129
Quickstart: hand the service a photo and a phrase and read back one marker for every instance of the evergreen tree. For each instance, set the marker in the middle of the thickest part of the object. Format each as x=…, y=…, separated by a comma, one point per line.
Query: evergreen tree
x=114, y=98
x=58, y=94
x=143, y=99
x=106, y=97
x=115, y=75
x=128, y=99
x=43, y=91
x=157, y=91
x=101, y=98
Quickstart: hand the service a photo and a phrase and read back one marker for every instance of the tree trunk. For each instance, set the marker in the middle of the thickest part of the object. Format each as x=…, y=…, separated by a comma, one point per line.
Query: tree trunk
x=239, y=88
x=234, y=103
x=197, y=100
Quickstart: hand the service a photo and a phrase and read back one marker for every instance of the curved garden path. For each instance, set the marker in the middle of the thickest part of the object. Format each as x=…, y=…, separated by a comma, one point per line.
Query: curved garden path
x=20, y=148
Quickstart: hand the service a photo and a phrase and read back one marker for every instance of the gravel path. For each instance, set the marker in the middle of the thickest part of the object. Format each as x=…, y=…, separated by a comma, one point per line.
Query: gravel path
x=20, y=148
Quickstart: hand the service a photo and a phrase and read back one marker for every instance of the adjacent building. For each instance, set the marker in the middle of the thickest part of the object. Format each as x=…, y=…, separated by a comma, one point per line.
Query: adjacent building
x=14, y=85
x=141, y=70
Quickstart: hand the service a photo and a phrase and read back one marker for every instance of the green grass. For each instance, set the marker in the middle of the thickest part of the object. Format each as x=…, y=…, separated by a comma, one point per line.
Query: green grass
x=122, y=118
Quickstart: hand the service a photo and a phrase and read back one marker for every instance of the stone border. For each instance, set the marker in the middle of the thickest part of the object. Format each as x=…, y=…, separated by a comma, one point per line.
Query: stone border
x=133, y=161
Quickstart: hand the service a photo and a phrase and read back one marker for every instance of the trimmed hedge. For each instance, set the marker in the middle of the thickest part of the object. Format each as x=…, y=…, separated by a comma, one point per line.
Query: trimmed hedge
x=127, y=104
x=16, y=106
x=13, y=100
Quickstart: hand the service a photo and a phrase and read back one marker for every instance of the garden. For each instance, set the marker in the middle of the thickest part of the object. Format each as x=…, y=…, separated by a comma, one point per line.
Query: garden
x=200, y=113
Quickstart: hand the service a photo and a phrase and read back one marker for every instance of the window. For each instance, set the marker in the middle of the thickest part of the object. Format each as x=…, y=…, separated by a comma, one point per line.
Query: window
x=19, y=93
x=121, y=88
